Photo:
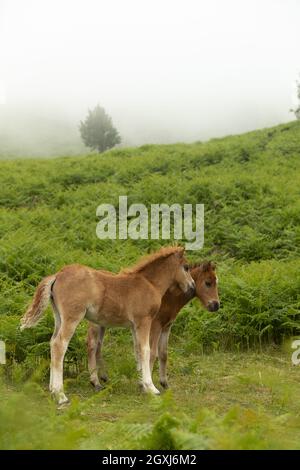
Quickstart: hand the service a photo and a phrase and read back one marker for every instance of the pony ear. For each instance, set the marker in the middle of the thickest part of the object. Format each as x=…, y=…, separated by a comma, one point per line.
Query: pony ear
x=205, y=266
x=212, y=265
x=208, y=265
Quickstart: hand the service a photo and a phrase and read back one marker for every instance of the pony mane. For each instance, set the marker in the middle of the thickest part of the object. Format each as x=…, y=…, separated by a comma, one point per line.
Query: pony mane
x=164, y=252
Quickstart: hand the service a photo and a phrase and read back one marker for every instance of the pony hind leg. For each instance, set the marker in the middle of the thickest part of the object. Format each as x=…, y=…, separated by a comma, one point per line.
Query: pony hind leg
x=59, y=346
x=57, y=320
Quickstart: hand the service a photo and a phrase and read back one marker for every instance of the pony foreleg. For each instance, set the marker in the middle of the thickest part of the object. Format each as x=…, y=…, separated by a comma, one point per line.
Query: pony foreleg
x=154, y=339
x=163, y=356
x=142, y=333
x=100, y=362
x=136, y=351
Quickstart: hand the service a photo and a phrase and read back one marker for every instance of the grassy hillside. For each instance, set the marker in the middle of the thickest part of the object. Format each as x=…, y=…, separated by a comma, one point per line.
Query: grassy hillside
x=250, y=185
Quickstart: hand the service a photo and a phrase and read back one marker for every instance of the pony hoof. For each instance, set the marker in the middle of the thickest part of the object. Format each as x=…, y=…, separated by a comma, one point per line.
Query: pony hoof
x=97, y=387
x=60, y=398
x=62, y=406
x=151, y=389
x=164, y=384
x=104, y=378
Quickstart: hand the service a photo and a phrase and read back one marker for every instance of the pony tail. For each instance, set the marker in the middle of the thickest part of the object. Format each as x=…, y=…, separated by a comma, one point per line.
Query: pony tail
x=39, y=303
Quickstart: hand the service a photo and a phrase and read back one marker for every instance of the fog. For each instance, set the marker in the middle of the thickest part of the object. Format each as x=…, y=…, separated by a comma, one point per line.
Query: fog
x=165, y=70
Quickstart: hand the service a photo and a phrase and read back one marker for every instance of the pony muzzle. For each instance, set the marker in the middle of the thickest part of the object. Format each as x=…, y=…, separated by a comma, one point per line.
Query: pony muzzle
x=191, y=287
x=213, y=305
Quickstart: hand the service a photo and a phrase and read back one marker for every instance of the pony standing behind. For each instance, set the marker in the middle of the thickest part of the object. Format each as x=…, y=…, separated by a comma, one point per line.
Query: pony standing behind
x=206, y=289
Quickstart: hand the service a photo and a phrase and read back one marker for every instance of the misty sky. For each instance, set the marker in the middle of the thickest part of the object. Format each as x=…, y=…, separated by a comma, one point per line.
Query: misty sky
x=166, y=70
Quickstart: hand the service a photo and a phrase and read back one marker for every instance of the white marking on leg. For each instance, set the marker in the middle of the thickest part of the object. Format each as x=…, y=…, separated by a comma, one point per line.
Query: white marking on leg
x=146, y=372
x=59, y=348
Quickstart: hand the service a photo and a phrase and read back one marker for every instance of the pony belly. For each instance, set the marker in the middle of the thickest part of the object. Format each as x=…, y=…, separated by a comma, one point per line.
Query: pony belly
x=106, y=318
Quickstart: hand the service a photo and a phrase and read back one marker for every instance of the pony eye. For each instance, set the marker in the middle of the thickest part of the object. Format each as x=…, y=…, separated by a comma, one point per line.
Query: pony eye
x=186, y=267
x=208, y=283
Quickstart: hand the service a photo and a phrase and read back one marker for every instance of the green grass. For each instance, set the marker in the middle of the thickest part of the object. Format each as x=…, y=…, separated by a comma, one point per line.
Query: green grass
x=218, y=401
x=250, y=185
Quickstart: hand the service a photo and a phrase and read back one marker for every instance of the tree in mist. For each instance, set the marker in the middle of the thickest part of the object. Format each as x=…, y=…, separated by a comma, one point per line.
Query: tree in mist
x=97, y=130
x=296, y=111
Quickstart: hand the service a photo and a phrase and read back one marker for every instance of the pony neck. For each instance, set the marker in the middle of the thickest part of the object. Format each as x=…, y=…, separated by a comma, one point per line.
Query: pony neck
x=182, y=298
x=159, y=274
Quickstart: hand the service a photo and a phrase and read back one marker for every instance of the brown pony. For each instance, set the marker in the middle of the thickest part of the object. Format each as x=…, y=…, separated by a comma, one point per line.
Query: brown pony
x=131, y=298
x=204, y=275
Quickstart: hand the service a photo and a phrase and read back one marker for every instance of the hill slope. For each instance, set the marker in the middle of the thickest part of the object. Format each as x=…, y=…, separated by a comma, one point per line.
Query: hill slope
x=250, y=186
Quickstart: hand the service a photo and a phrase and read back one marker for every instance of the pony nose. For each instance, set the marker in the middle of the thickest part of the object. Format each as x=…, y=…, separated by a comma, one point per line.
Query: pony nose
x=213, y=305
x=192, y=285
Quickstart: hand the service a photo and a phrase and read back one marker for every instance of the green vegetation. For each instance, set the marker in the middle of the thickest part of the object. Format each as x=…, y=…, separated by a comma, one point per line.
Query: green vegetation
x=217, y=401
x=233, y=385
